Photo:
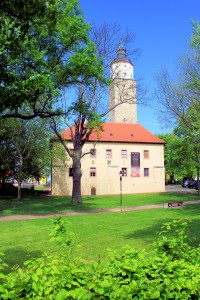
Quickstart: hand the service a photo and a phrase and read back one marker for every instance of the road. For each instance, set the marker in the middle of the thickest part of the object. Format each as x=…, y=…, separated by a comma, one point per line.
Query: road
x=180, y=189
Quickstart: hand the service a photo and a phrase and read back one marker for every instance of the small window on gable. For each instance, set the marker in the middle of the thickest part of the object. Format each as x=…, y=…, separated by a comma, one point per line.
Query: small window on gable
x=146, y=172
x=92, y=172
x=146, y=153
x=124, y=154
x=92, y=153
x=108, y=153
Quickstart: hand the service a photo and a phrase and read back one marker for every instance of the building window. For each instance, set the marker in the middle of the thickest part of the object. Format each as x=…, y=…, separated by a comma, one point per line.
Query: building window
x=93, y=153
x=124, y=154
x=92, y=172
x=146, y=172
x=146, y=153
x=124, y=171
x=108, y=162
x=108, y=153
x=70, y=172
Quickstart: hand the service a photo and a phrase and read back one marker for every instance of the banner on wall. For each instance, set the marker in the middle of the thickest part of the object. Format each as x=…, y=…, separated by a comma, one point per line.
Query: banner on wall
x=135, y=164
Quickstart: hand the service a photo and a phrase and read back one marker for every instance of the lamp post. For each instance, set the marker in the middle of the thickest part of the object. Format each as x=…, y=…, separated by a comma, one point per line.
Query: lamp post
x=120, y=176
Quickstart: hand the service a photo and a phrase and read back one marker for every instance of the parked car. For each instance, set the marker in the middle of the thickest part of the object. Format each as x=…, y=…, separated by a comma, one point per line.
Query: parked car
x=27, y=185
x=8, y=183
x=191, y=184
x=185, y=182
x=195, y=185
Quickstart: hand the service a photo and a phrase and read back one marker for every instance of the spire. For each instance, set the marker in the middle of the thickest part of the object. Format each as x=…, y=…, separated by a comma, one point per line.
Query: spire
x=121, y=52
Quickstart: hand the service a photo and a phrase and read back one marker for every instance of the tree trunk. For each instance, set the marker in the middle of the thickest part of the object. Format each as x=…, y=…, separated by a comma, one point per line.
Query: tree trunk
x=198, y=186
x=19, y=190
x=172, y=177
x=76, y=189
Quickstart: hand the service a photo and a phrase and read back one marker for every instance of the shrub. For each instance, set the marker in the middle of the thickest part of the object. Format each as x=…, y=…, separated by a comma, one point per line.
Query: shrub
x=170, y=271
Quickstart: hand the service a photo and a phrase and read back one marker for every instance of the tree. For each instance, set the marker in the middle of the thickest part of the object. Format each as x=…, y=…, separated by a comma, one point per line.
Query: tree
x=44, y=48
x=24, y=148
x=176, y=95
x=178, y=161
x=89, y=108
x=191, y=141
x=180, y=97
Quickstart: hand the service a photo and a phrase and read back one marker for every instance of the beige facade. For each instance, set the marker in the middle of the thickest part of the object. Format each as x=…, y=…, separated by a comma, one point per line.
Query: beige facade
x=100, y=172
x=123, y=92
x=122, y=146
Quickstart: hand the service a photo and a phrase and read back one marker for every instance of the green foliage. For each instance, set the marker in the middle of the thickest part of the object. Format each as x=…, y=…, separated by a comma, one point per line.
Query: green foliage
x=44, y=47
x=182, y=149
x=62, y=236
x=173, y=240
x=24, y=147
x=171, y=271
x=180, y=106
x=178, y=156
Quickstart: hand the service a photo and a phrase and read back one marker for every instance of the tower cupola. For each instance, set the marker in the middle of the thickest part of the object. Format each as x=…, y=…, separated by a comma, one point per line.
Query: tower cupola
x=121, y=55
x=121, y=66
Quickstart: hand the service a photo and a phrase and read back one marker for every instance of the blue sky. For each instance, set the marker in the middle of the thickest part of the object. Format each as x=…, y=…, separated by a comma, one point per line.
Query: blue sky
x=162, y=29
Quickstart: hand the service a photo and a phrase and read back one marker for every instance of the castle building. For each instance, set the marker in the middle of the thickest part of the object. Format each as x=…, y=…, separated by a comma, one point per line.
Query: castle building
x=123, y=150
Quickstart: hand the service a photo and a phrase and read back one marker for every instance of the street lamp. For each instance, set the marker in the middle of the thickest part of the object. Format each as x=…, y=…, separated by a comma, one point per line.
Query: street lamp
x=120, y=176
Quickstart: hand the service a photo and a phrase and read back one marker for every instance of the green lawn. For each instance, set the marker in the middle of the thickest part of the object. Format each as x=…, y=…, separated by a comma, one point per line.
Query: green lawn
x=34, y=203
x=21, y=240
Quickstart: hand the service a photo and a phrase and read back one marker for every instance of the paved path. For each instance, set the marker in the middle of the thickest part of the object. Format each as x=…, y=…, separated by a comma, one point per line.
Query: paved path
x=73, y=213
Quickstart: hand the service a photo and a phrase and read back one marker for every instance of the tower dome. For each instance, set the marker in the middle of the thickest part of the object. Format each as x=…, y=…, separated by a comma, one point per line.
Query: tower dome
x=121, y=67
x=121, y=55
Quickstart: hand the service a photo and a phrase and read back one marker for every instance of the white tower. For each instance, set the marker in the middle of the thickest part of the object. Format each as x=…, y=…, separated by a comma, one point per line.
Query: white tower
x=122, y=91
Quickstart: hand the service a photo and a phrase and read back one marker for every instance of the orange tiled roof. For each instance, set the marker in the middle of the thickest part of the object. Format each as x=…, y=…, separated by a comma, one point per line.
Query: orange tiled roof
x=122, y=133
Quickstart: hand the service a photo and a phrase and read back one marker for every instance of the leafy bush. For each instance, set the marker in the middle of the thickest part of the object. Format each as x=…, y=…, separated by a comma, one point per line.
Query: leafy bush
x=170, y=271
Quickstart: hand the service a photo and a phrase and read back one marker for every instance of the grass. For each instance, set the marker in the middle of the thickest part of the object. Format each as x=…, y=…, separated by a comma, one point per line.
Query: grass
x=22, y=240
x=36, y=203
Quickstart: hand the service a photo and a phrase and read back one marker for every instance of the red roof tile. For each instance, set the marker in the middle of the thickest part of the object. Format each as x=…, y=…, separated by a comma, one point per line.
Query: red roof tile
x=122, y=133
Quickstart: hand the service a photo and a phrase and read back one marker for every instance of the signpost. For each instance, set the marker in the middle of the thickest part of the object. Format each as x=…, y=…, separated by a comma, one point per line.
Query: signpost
x=120, y=175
